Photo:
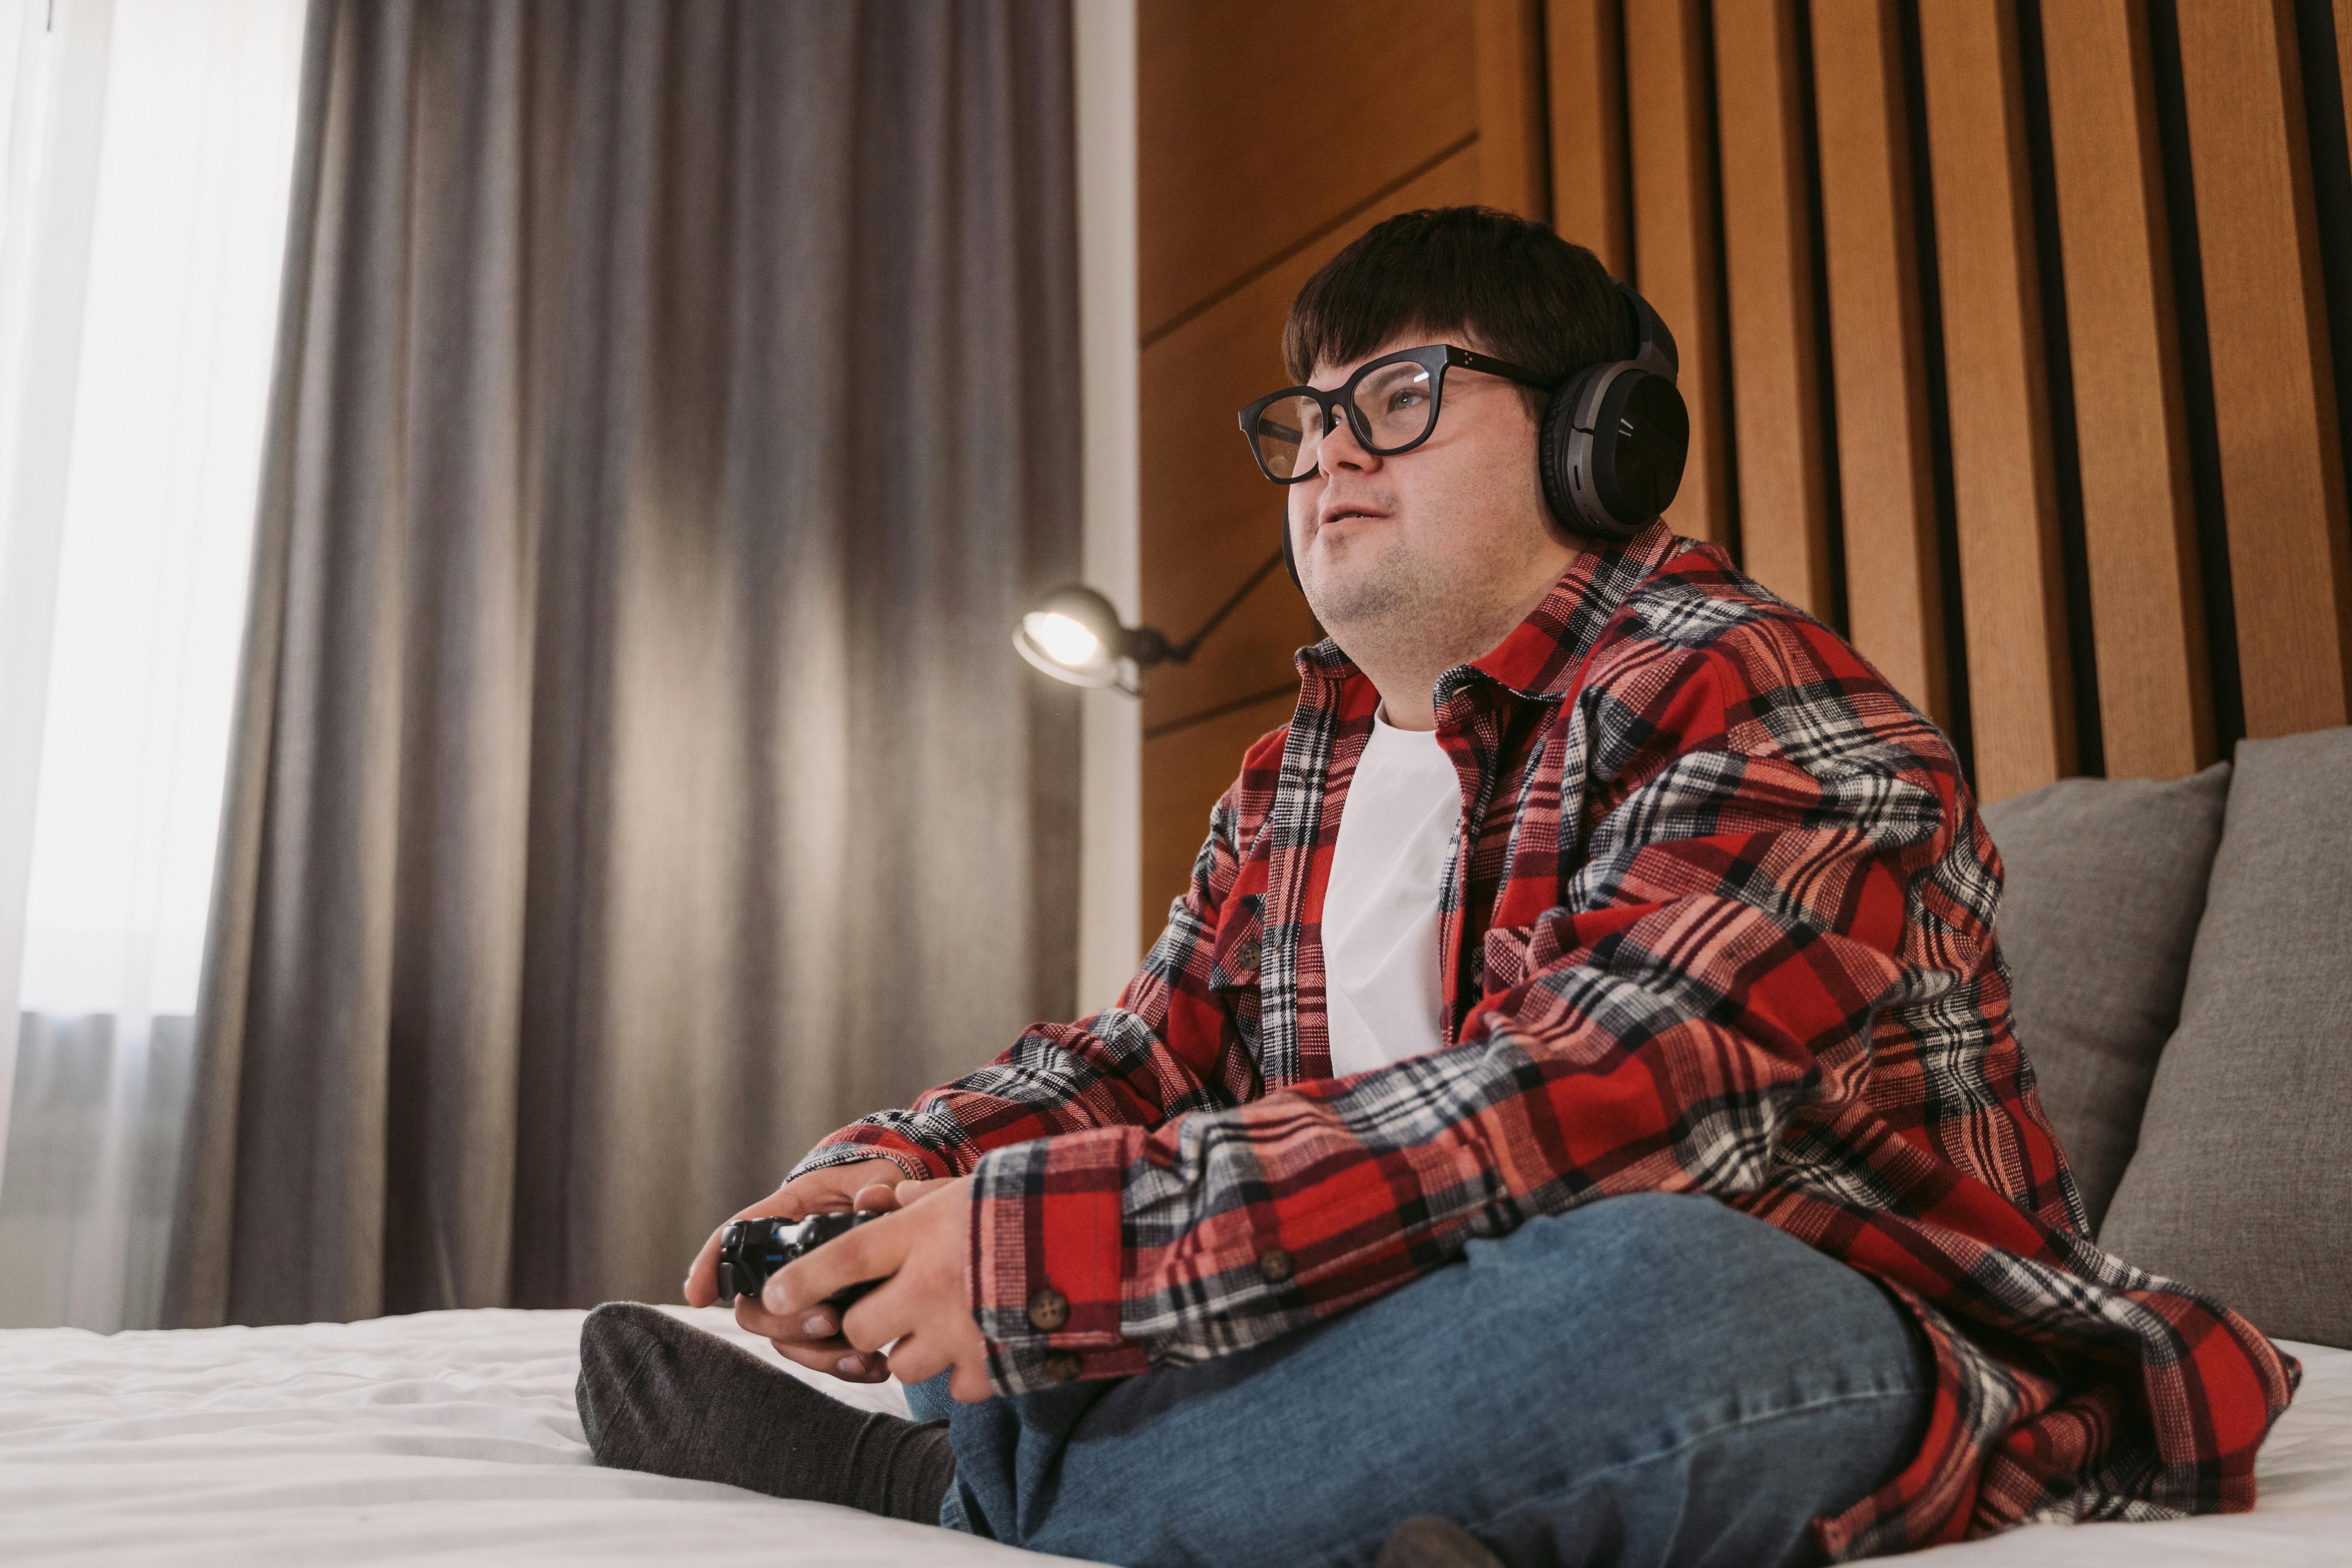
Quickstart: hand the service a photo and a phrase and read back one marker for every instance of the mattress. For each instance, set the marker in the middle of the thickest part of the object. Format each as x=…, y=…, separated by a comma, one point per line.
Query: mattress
x=452, y=1437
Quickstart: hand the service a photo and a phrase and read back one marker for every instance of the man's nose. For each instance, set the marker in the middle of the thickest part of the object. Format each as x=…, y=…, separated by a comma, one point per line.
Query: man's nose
x=1340, y=449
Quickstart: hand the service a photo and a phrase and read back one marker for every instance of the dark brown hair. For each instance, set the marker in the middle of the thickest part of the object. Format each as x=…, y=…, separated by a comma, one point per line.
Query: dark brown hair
x=1512, y=286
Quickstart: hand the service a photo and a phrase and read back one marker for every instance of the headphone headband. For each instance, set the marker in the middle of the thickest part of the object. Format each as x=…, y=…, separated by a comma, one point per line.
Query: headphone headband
x=1654, y=345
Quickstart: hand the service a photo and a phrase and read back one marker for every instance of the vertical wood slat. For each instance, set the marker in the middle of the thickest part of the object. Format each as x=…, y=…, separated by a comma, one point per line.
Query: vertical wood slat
x=2274, y=392
x=2004, y=483
x=1784, y=524
x=1512, y=153
x=1584, y=46
x=2140, y=518
x=1894, y=605
x=2344, y=66
x=1669, y=123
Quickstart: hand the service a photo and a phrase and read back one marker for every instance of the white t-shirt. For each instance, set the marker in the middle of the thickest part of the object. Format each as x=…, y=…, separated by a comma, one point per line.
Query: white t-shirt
x=1382, y=975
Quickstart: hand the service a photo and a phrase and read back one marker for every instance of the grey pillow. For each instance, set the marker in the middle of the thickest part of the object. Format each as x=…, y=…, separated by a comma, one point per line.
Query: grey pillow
x=2242, y=1183
x=2105, y=880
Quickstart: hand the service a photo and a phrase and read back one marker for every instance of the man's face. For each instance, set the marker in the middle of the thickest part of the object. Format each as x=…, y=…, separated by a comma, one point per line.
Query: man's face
x=1430, y=542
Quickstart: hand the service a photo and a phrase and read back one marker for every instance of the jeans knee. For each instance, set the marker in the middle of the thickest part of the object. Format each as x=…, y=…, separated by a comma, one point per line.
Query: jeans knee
x=1699, y=1292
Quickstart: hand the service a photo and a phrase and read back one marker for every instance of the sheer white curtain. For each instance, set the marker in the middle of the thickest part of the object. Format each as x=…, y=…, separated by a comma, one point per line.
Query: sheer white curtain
x=149, y=145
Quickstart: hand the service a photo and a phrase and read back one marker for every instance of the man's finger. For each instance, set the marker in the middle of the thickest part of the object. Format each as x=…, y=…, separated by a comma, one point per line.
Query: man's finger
x=834, y=1358
x=702, y=1288
x=970, y=1385
x=881, y=1195
x=818, y=1323
x=912, y=1361
x=873, y=1251
x=878, y=1317
x=908, y=1192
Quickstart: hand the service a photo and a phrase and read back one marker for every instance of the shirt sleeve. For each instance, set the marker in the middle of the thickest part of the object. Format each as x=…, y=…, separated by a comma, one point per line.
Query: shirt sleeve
x=1114, y=1069
x=1751, y=862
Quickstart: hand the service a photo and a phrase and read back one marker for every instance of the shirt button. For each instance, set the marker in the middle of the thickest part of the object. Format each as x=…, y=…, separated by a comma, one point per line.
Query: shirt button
x=1048, y=1308
x=1274, y=1265
x=1065, y=1367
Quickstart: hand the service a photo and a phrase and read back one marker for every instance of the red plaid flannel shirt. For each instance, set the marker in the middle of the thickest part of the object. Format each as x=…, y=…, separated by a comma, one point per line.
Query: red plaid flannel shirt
x=1719, y=920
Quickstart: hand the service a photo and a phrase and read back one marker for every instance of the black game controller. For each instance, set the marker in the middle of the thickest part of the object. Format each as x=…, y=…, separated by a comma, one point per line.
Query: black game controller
x=751, y=1249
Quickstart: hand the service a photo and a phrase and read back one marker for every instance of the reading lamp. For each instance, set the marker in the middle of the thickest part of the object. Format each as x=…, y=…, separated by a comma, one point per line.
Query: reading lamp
x=1074, y=635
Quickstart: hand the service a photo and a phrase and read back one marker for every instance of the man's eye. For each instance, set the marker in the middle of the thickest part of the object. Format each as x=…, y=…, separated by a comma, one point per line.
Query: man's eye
x=1400, y=401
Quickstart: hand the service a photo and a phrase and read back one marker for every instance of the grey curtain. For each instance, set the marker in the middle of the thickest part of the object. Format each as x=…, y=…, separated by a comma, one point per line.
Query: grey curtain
x=633, y=780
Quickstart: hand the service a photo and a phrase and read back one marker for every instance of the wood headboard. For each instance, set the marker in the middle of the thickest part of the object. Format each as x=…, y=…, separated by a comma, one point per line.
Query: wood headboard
x=2012, y=332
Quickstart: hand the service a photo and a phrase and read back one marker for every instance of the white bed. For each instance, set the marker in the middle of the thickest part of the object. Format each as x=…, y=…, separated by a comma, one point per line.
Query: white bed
x=451, y=1437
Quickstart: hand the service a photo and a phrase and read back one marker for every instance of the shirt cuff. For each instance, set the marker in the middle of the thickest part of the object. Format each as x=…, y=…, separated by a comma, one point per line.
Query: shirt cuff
x=1046, y=1269
x=852, y=1144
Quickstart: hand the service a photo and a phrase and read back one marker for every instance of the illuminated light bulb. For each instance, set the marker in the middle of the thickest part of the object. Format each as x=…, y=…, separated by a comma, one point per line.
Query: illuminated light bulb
x=1063, y=640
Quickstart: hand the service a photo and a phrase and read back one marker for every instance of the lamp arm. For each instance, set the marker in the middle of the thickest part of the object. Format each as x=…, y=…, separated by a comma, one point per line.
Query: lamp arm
x=1180, y=652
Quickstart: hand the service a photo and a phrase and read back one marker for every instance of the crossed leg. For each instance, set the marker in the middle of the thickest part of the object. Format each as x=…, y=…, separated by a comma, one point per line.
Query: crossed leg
x=1649, y=1379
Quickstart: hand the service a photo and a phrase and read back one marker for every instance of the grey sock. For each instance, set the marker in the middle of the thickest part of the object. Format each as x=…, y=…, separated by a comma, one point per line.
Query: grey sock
x=660, y=1396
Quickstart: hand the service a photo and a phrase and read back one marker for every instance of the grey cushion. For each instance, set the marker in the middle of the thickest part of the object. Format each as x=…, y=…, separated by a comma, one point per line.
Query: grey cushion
x=2242, y=1183
x=2105, y=880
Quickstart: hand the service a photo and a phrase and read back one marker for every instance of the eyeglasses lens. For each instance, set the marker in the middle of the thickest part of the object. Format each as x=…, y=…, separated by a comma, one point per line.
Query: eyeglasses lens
x=1396, y=403
x=1288, y=431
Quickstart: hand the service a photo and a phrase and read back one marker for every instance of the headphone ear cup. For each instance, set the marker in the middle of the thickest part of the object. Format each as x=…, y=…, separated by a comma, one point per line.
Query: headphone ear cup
x=1614, y=478
x=1569, y=459
x=1641, y=440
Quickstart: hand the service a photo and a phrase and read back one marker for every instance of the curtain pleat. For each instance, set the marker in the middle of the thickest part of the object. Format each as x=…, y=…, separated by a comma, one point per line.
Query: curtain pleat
x=677, y=405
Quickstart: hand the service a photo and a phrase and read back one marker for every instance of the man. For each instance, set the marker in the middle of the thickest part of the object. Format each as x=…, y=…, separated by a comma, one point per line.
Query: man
x=1576, y=1099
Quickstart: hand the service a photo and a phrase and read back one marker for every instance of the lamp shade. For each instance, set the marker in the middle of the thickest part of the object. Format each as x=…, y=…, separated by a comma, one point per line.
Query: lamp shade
x=1074, y=635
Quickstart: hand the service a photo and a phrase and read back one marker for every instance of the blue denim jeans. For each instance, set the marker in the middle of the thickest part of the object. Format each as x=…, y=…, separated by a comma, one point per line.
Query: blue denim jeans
x=1646, y=1380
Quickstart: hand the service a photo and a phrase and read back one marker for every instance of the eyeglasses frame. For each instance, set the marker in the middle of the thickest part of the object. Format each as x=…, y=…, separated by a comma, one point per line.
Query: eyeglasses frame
x=1435, y=358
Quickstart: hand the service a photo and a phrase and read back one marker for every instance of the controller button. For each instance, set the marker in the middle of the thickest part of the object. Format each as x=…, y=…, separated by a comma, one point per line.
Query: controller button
x=1048, y=1308
x=1065, y=1367
x=1274, y=1265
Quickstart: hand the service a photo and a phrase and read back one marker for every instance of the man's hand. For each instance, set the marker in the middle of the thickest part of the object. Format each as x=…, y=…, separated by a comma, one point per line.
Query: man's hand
x=919, y=1255
x=812, y=1338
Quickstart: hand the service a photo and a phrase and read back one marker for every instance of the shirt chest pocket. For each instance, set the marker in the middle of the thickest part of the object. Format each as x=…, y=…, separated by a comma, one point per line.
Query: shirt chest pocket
x=1236, y=958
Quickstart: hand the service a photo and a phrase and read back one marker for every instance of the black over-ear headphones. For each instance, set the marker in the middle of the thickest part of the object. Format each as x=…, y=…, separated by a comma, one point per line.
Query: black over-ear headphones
x=1614, y=437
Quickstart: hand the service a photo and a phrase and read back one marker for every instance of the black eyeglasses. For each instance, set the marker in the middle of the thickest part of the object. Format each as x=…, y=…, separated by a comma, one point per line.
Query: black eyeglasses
x=1391, y=404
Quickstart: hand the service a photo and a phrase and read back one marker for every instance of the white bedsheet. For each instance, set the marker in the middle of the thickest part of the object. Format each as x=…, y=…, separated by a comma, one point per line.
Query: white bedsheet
x=452, y=1437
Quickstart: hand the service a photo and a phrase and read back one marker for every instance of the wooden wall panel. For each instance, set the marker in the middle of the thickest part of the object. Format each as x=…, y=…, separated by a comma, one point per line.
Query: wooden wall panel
x=1513, y=151
x=1252, y=135
x=1208, y=515
x=1670, y=124
x=2274, y=392
x=2004, y=485
x=2139, y=516
x=2344, y=62
x=1188, y=768
x=1894, y=608
x=1784, y=524
x=1584, y=42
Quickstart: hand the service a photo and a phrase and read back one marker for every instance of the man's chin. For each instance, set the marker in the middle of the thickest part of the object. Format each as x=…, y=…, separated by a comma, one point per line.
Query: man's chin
x=1351, y=593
